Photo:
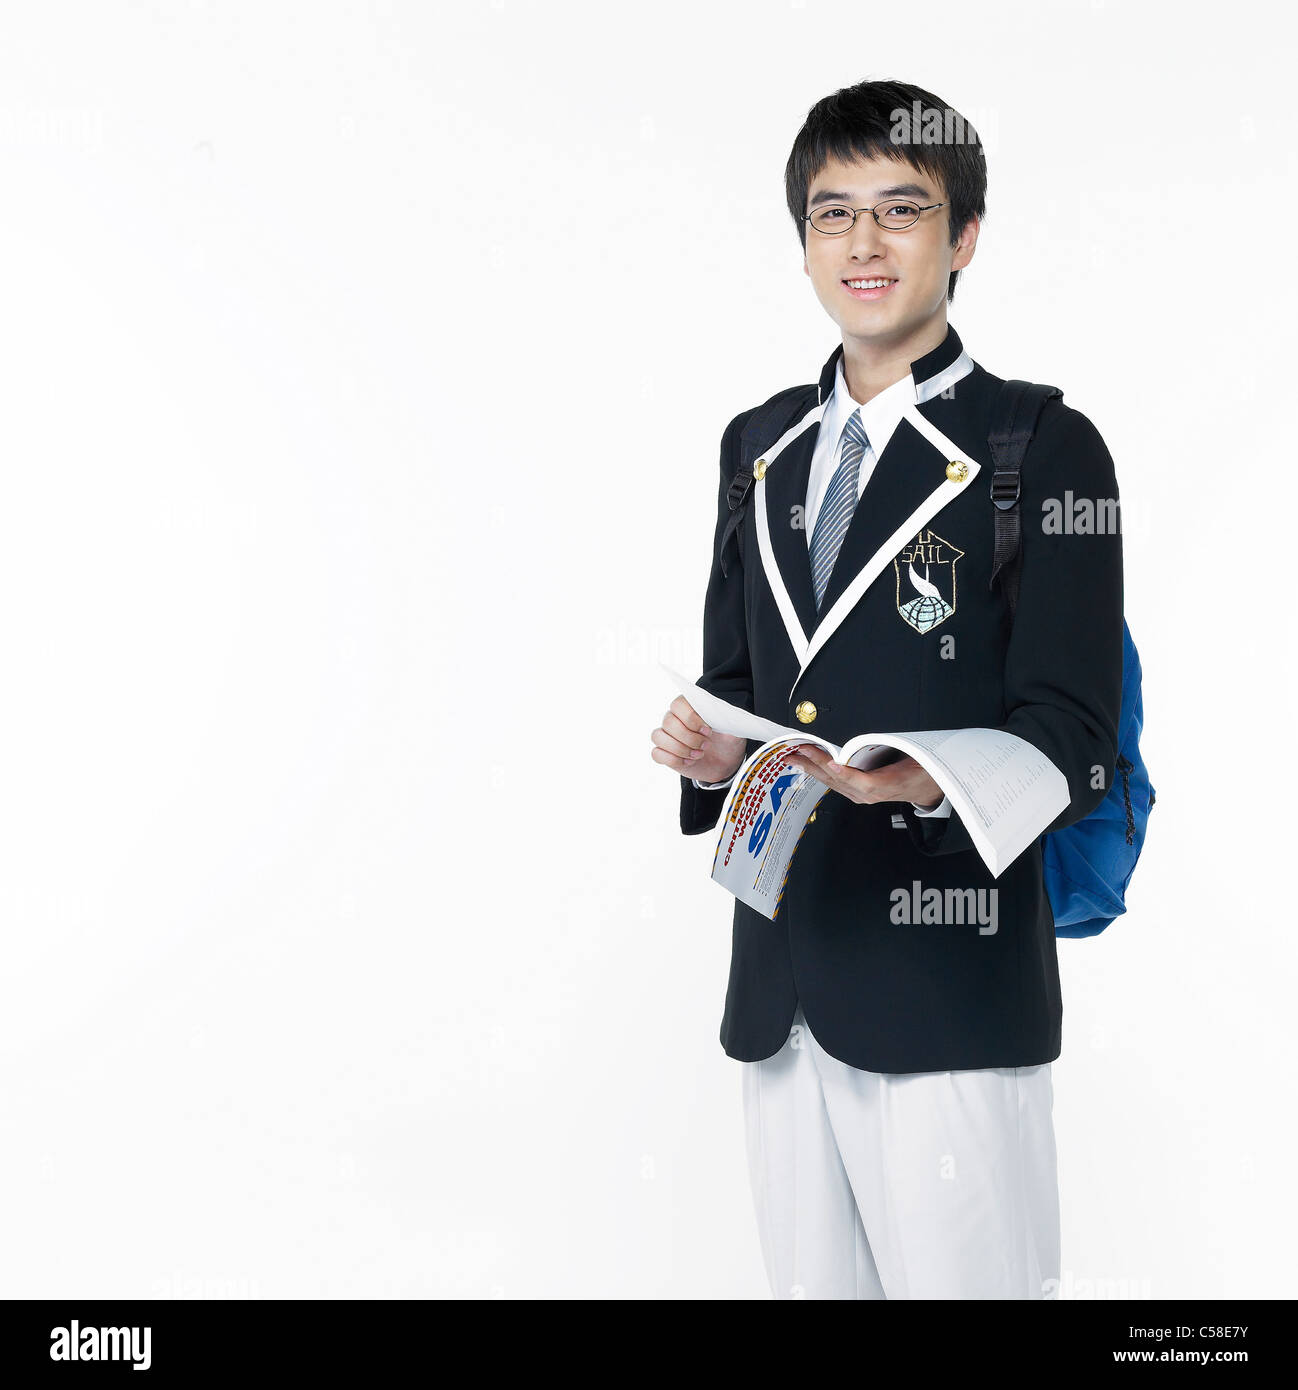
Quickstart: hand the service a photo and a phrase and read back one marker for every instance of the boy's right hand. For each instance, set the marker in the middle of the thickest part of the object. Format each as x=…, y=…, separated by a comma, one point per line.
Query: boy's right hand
x=686, y=745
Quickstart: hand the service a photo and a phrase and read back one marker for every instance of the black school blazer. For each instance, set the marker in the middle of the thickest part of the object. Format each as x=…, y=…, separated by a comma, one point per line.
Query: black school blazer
x=880, y=993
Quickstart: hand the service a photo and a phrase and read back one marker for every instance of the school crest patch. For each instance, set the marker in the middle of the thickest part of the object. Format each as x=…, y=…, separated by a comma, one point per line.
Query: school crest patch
x=925, y=569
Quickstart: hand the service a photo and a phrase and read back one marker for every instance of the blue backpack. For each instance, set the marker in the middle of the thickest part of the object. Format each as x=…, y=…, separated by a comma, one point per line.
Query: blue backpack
x=1088, y=864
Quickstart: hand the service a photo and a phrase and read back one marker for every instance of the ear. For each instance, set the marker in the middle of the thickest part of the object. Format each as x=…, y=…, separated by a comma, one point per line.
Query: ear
x=963, y=251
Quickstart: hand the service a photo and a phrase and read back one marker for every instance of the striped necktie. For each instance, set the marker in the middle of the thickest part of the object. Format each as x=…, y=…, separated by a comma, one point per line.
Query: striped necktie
x=837, y=508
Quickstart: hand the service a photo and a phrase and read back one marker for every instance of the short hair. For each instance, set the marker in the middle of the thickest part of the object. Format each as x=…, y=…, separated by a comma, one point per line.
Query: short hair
x=878, y=120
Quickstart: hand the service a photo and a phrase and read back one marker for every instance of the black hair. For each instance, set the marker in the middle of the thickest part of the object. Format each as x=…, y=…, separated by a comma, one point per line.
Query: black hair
x=891, y=120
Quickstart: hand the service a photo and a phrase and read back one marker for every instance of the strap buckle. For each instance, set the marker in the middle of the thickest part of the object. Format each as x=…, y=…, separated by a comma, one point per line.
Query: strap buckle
x=1005, y=487
x=739, y=486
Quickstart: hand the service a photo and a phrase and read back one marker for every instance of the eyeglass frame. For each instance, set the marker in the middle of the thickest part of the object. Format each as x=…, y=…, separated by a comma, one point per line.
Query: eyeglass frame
x=928, y=207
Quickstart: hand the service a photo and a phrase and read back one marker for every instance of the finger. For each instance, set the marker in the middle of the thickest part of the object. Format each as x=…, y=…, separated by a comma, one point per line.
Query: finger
x=809, y=758
x=684, y=734
x=681, y=751
x=812, y=769
x=858, y=785
x=685, y=766
x=904, y=781
x=686, y=713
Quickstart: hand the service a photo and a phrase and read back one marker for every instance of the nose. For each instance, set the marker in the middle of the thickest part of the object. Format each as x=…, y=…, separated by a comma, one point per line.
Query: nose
x=865, y=237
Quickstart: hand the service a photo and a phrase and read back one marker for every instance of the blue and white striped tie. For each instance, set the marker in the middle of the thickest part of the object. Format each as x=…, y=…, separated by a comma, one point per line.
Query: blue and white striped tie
x=837, y=508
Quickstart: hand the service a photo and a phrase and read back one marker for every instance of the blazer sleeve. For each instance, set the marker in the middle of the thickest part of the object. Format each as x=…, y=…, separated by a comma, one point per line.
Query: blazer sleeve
x=727, y=670
x=1063, y=662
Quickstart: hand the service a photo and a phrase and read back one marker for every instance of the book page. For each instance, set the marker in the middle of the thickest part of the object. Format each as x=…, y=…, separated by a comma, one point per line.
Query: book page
x=726, y=718
x=1004, y=789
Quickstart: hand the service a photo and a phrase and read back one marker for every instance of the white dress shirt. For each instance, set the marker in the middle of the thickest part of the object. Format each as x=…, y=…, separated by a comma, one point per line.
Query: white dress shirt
x=879, y=417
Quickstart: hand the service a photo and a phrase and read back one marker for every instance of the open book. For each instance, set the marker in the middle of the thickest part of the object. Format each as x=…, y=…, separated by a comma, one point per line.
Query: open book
x=1005, y=790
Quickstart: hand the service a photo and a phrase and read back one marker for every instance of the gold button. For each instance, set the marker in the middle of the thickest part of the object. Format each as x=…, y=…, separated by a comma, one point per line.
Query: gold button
x=957, y=470
x=805, y=711
x=811, y=817
x=759, y=469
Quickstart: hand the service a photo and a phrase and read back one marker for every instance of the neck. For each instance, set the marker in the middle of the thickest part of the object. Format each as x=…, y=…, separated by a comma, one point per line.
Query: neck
x=871, y=366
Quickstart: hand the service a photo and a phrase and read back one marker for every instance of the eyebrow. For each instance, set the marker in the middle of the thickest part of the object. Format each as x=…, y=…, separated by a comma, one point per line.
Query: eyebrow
x=900, y=190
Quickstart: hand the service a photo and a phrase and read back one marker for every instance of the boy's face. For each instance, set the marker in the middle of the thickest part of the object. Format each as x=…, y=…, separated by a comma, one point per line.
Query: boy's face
x=917, y=261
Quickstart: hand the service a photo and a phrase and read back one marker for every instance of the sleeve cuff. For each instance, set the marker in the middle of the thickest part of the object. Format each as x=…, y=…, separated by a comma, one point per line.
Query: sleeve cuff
x=943, y=808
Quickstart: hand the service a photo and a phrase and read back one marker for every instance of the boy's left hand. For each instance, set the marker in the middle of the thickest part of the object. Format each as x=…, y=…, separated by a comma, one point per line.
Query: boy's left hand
x=903, y=780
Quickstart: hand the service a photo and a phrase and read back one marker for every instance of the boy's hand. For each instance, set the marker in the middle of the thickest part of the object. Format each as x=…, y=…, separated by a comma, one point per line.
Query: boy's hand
x=904, y=780
x=686, y=745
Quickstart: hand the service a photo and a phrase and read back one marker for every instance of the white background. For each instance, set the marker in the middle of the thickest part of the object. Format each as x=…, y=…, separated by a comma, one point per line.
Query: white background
x=364, y=371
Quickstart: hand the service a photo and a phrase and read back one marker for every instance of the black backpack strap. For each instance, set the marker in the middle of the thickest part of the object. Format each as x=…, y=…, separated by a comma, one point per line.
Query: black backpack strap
x=1014, y=421
x=735, y=500
x=766, y=424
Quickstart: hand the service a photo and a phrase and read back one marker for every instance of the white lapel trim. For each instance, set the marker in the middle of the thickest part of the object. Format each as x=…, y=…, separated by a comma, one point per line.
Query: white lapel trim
x=935, y=385
x=803, y=648
x=797, y=638
x=945, y=491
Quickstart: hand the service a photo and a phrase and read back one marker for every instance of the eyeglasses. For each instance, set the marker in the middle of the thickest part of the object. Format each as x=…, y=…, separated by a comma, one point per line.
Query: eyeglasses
x=834, y=219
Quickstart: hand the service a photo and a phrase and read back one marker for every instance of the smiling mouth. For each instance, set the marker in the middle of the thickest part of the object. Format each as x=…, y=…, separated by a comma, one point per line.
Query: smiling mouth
x=872, y=287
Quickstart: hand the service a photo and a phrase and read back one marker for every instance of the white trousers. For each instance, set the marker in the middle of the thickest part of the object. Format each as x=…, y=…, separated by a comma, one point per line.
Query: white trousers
x=901, y=1185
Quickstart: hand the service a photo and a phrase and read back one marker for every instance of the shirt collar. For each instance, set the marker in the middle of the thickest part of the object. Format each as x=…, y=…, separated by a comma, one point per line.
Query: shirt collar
x=879, y=416
x=929, y=375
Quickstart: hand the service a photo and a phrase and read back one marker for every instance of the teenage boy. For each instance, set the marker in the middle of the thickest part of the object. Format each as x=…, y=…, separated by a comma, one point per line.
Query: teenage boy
x=896, y=1081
